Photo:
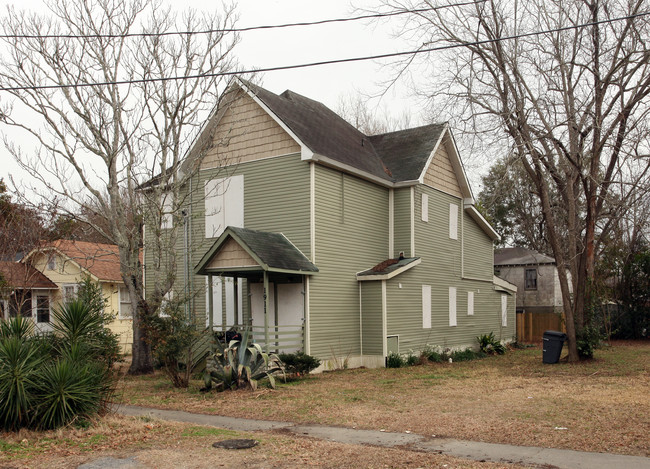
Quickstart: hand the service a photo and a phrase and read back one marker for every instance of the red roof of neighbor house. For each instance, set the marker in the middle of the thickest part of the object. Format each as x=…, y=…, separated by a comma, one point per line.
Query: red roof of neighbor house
x=19, y=275
x=101, y=260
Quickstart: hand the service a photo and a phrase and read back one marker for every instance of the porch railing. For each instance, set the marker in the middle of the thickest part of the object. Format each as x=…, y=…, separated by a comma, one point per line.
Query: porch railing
x=281, y=339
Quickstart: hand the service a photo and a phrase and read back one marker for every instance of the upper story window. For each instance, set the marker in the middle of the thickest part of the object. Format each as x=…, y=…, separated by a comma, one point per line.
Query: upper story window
x=530, y=279
x=224, y=205
x=51, y=262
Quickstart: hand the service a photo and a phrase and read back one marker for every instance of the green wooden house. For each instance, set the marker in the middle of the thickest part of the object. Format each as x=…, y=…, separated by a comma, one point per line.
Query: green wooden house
x=344, y=245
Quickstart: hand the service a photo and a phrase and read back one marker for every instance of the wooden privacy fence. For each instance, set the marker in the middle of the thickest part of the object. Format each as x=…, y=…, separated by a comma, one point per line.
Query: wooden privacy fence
x=531, y=326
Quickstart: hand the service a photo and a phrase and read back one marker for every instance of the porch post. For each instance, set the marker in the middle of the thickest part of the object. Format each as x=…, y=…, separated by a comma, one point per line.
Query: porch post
x=210, y=311
x=235, y=281
x=266, y=310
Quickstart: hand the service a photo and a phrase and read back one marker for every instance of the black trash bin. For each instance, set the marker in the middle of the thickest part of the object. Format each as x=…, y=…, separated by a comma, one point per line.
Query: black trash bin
x=552, y=346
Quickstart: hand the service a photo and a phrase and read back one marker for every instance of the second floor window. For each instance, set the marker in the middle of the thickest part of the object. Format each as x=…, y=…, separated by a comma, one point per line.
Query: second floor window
x=224, y=205
x=531, y=279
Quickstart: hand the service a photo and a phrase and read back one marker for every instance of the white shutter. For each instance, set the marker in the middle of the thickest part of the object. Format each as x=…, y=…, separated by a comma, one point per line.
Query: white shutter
x=470, y=303
x=452, y=307
x=453, y=221
x=426, y=306
x=425, y=208
x=504, y=310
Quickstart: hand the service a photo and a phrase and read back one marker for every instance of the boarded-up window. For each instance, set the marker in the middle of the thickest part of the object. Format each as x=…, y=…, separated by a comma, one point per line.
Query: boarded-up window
x=224, y=205
x=125, y=304
x=425, y=207
x=453, y=221
x=470, y=303
x=167, y=207
x=452, y=307
x=426, y=306
x=504, y=310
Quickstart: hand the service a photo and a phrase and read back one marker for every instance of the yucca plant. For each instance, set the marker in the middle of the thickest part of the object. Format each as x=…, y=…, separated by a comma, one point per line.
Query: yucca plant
x=489, y=344
x=19, y=327
x=241, y=364
x=20, y=363
x=69, y=390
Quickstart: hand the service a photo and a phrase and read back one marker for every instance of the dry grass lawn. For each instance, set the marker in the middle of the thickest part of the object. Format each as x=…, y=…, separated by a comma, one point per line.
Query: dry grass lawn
x=152, y=443
x=602, y=405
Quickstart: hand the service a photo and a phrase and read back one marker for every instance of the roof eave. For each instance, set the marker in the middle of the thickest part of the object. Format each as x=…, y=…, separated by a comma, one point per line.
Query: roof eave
x=482, y=222
x=332, y=163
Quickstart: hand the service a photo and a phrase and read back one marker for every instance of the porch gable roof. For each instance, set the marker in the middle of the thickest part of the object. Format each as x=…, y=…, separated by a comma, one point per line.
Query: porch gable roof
x=273, y=252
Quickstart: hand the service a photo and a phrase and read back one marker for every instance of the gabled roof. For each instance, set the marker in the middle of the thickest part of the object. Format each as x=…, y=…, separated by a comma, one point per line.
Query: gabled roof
x=100, y=260
x=19, y=275
x=405, y=152
x=273, y=252
x=520, y=256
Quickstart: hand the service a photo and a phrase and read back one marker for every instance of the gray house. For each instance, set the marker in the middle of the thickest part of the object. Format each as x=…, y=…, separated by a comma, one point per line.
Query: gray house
x=539, y=299
x=344, y=245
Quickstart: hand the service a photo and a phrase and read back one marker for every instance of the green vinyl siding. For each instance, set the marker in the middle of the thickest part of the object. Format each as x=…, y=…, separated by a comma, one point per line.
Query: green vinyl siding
x=276, y=198
x=402, y=220
x=478, y=251
x=441, y=268
x=351, y=236
x=371, y=318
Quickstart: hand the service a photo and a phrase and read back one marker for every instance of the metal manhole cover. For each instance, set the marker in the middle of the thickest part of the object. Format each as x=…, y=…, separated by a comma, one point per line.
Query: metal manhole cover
x=235, y=444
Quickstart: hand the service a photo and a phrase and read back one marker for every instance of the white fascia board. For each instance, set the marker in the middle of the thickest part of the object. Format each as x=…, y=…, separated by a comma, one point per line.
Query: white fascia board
x=431, y=156
x=327, y=161
x=482, y=222
x=457, y=163
x=305, y=152
x=502, y=285
x=395, y=273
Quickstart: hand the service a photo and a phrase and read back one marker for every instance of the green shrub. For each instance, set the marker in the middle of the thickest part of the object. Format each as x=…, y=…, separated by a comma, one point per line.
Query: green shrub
x=411, y=359
x=465, y=355
x=433, y=354
x=240, y=364
x=299, y=363
x=587, y=341
x=395, y=360
x=172, y=338
x=489, y=345
x=50, y=380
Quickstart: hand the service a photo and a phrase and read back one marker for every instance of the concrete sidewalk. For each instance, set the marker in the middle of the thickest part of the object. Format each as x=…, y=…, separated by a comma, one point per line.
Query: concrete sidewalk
x=525, y=455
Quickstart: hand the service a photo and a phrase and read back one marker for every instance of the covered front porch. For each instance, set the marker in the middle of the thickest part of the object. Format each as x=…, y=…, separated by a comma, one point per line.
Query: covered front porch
x=268, y=273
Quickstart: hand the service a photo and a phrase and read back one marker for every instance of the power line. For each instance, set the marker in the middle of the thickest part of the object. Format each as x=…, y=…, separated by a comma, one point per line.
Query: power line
x=237, y=30
x=325, y=62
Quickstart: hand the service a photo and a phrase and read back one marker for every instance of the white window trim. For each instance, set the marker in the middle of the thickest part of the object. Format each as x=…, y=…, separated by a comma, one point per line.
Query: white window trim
x=75, y=288
x=167, y=208
x=453, y=322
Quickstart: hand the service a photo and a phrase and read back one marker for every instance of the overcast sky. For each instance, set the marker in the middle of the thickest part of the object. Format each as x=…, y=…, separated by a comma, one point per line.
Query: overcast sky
x=296, y=45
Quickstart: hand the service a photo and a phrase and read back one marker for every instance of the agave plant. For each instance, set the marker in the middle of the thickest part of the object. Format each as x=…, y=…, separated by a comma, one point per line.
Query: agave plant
x=241, y=364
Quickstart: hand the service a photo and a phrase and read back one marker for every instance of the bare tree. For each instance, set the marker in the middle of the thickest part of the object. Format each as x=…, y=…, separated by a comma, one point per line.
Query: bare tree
x=369, y=119
x=96, y=84
x=566, y=82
